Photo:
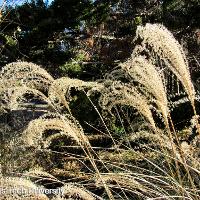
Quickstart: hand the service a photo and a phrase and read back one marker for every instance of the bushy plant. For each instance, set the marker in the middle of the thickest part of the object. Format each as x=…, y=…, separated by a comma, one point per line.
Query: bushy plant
x=142, y=162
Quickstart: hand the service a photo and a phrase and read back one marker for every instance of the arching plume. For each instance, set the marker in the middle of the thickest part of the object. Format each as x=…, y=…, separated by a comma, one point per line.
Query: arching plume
x=151, y=83
x=124, y=94
x=159, y=40
x=26, y=73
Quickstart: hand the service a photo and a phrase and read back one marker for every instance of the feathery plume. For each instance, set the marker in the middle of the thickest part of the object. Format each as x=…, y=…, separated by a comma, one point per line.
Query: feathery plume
x=70, y=191
x=60, y=90
x=20, y=188
x=167, y=48
x=146, y=74
x=14, y=97
x=124, y=94
x=26, y=73
x=66, y=125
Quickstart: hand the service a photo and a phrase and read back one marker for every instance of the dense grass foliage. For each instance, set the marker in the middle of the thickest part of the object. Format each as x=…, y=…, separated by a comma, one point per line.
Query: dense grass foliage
x=113, y=138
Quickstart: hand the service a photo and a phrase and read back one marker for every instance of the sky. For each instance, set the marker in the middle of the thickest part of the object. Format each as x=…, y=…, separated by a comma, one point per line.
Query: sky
x=17, y=1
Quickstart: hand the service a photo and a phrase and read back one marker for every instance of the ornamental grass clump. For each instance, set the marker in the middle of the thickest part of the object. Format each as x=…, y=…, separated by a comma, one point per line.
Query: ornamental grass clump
x=34, y=134
x=151, y=82
x=18, y=188
x=14, y=98
x=124, y=94
x=26, y=73
x=163, y=44
x=60, y=91
x=149, y=162
x=75, y=192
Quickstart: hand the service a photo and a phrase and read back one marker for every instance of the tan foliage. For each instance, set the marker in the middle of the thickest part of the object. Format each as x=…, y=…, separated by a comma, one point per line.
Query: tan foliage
x=71, y=191
x=15, y=97
x=145, y=89
x=65, y=125
x=123, y=94
x=25, y=73
x=60, y=90
x=19, y=189
x=167, y=48
x=150, y=80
